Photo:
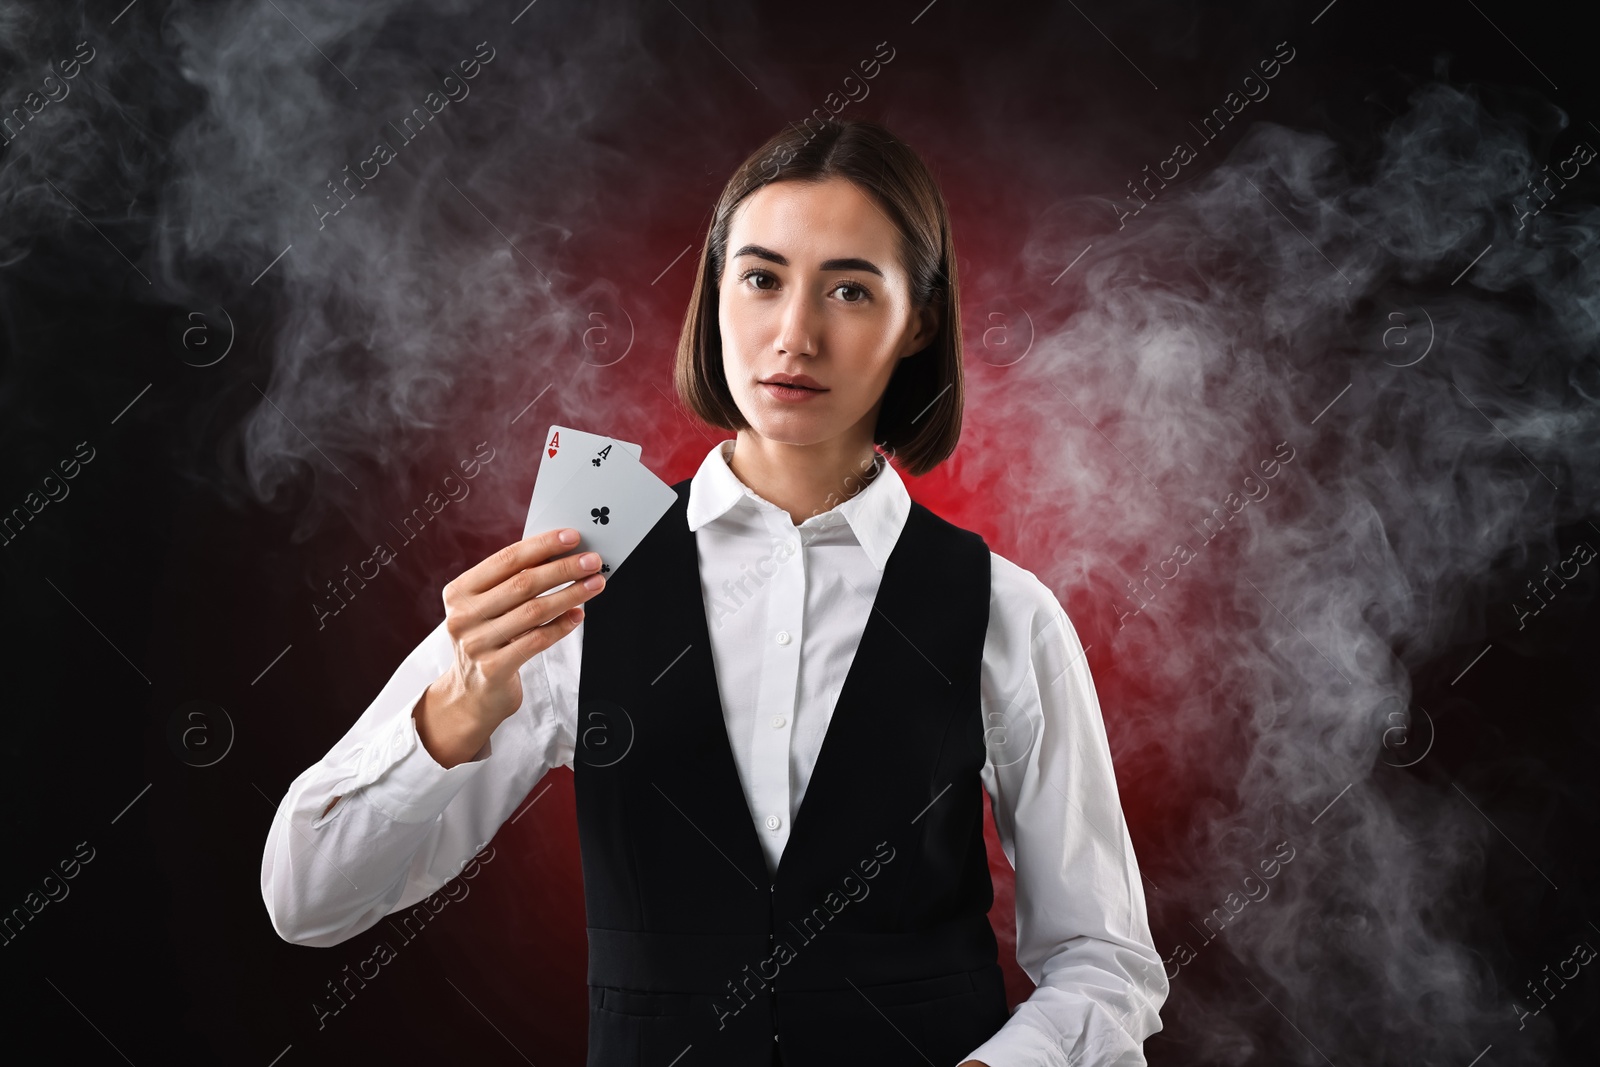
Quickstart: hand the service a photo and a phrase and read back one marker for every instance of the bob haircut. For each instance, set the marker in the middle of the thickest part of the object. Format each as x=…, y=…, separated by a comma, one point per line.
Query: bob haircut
x=920, y=420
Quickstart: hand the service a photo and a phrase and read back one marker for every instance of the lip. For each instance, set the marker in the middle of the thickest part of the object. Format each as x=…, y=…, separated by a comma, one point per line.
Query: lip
x=790, y=394
x=803, y=380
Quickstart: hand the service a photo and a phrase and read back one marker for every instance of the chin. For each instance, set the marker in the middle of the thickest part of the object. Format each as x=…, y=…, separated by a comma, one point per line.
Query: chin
x=766, y=419
x=793, y=434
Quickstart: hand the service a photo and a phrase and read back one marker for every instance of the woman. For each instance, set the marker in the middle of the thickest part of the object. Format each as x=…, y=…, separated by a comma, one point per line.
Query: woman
x=793, y=701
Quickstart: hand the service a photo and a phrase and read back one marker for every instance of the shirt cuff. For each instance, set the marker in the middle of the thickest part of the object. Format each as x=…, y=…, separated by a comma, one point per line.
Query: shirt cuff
x=403, y=780
x=1019, y=1045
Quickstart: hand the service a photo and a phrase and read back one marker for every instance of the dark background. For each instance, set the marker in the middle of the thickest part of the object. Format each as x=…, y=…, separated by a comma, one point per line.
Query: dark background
x=179, y=568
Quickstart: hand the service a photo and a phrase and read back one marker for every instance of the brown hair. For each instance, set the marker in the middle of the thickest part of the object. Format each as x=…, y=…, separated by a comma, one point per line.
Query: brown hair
x=920, y=420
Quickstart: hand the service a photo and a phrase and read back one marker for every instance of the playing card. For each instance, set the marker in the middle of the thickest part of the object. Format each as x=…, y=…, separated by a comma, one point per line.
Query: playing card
x=612, y=507
x=566, y=452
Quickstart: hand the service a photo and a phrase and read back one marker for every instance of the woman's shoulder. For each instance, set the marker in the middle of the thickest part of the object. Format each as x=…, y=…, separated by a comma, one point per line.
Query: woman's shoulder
x=1026, y=618
x=1018, y=591
x=1015, y=591
x=1029, y=640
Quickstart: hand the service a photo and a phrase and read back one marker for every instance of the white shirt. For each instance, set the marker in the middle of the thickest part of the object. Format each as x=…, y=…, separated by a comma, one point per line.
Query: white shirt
x=785, y=609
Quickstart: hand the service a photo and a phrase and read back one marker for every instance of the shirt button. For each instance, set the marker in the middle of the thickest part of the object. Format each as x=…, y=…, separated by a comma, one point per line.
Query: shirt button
x=773, y=822
x=778, y=721
x=783, y=637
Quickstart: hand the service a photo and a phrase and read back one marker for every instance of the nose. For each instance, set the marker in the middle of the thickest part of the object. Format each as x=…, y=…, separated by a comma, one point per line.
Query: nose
x=796, y=328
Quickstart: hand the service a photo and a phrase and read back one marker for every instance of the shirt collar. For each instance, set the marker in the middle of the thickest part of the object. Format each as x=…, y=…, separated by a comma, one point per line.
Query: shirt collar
x=875, y=515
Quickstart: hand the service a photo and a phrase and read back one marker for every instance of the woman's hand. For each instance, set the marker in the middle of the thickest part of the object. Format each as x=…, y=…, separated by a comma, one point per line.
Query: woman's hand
x=498, y=619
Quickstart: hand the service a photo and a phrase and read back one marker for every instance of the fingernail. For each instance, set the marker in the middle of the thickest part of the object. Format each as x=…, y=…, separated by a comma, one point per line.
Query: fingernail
x=569, y=537
x=588, y=559
x=594, y=581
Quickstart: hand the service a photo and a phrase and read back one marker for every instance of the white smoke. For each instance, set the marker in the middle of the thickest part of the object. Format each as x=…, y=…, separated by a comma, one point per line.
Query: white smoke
x=1270, y=667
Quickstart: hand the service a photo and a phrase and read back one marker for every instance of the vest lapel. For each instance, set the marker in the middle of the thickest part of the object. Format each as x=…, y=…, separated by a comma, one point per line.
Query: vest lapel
x=708, y=717
x=856, y=713
x=838, y=765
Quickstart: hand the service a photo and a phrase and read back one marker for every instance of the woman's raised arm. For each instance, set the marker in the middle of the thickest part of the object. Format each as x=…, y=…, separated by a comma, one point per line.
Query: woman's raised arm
x=465, y=727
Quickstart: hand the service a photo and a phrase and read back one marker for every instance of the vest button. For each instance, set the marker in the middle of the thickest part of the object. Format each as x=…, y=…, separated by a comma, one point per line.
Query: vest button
x=783, y=637
x=773, y=822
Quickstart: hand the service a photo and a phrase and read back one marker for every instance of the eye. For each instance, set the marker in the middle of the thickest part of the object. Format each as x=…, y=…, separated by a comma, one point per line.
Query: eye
x=863, y=293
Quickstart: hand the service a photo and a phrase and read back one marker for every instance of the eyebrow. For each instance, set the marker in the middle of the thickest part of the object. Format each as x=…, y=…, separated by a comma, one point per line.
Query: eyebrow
x=851, y=263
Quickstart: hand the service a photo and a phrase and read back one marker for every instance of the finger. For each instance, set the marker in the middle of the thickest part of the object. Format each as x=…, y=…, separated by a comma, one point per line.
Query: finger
x=519, y=555
x=535, y=583
x=490, y=633
x=542, y=609
x=536, y=640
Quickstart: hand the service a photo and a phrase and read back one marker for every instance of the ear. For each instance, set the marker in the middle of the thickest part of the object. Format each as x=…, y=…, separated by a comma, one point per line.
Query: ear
x=927, y=328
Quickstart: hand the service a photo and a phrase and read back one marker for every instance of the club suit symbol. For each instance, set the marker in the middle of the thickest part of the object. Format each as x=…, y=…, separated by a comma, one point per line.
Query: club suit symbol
x=601, y=515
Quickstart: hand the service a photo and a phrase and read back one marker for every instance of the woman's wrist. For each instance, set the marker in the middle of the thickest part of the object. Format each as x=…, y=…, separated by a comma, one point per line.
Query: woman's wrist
x=448, y=730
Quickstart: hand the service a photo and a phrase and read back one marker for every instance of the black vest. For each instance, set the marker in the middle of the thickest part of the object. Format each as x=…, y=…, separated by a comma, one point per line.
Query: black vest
x=871, y=943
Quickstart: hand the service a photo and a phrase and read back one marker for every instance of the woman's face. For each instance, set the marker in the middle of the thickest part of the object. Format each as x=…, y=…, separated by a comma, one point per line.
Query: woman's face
x=813, y=285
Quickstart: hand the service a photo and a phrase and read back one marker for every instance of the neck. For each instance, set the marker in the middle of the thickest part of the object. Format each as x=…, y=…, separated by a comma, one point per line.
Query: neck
x=803, y=480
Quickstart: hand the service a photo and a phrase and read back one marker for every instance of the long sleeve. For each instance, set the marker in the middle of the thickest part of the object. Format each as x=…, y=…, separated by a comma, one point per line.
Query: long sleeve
x=1083, y=935
x=403, y=825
